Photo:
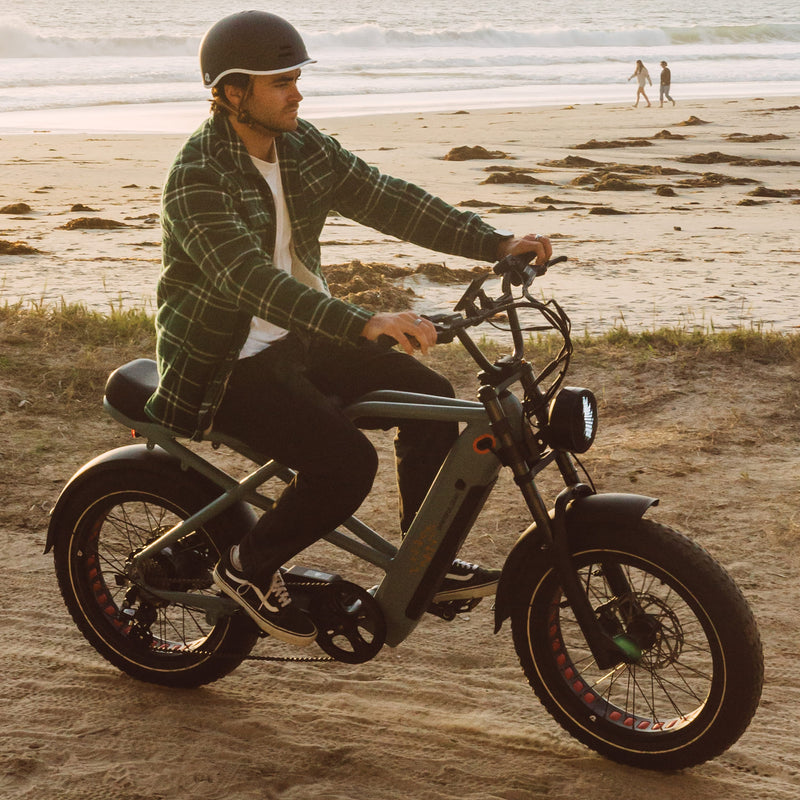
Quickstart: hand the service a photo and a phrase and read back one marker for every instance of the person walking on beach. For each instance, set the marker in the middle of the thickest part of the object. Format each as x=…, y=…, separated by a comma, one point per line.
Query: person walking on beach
x=663, y=87
x=642, y=76
x=249, y=339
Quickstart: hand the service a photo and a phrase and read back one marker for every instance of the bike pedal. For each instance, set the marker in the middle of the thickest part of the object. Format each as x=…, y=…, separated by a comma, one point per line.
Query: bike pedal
x=449, y=610
x=298, y=574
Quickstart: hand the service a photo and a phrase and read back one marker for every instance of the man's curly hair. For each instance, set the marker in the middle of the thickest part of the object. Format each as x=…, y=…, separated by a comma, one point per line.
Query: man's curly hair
x=219, y=102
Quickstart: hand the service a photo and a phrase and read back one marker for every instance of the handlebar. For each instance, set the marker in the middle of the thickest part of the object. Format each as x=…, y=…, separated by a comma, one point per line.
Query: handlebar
x=476, y=307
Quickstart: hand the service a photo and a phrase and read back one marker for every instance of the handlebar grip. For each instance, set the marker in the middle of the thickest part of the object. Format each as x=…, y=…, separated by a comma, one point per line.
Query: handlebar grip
x=388, y=342
x=385, y=342
x=519, y=270
x=513, y=263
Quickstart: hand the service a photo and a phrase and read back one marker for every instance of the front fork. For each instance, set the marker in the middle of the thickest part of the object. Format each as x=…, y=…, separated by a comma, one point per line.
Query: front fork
x=606, y=651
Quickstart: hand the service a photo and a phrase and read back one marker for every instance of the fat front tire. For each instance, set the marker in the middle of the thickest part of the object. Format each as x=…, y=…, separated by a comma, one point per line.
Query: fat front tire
x=695, y=673
x=106, y=521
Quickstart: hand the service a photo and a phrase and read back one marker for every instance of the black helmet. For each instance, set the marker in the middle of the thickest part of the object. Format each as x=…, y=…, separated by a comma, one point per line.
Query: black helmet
x=252, y=42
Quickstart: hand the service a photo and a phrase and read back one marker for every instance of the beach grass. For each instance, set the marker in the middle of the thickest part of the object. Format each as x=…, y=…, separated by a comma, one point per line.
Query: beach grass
x=71, y=348
x=76, y=324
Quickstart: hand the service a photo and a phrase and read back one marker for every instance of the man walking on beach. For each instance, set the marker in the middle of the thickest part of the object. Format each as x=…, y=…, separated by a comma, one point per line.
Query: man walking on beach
x=250, y=340
x=663, y=88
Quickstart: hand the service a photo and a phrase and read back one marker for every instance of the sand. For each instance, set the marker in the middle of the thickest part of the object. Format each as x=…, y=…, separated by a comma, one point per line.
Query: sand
x=663, y=242
x=447, y=714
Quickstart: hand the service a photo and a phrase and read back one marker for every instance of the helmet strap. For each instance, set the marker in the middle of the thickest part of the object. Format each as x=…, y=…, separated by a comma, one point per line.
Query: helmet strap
x=242, y=114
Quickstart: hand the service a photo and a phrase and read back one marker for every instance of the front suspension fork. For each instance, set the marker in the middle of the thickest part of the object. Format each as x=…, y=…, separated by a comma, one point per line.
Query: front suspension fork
x=606, y=651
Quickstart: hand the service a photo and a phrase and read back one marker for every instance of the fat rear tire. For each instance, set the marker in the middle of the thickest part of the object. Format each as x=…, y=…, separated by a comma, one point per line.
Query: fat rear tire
x=108, y=519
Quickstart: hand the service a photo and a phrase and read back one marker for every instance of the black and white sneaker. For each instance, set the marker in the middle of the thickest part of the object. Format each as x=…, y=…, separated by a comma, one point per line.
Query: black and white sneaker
x=271, y=609
x=466, y=581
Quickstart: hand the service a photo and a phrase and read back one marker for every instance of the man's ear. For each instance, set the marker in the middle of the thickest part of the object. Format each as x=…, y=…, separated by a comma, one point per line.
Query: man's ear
x=233, y=94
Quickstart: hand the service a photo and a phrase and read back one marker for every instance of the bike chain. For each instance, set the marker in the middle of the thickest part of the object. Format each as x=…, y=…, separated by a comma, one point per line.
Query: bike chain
x=247, y=656
x=295, y=659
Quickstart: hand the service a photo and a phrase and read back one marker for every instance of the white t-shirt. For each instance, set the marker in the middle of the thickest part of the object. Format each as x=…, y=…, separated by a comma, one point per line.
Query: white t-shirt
x=263, y=333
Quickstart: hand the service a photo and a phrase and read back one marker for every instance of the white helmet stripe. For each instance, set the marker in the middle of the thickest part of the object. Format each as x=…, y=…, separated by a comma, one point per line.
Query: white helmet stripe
x=219, y=77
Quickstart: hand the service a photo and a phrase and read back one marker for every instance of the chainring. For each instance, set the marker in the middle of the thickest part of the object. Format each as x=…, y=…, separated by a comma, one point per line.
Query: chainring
x=350, y=624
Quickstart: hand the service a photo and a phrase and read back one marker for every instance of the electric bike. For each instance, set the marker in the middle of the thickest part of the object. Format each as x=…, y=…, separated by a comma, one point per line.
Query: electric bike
x=633, y=638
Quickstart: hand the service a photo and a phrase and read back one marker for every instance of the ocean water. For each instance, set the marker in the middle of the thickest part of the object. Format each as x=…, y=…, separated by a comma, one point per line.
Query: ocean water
x=136, y=62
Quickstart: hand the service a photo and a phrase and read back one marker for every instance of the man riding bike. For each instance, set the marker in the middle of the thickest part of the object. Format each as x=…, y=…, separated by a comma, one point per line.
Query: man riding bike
x=251, y=343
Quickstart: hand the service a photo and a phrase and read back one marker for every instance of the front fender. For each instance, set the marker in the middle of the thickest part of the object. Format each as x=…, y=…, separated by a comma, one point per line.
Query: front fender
x=143, y=458
x=593, y=509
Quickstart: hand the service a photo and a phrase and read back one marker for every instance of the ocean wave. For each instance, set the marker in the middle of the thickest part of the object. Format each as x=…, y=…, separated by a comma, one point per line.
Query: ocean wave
x=375, y=36
x=18, y=40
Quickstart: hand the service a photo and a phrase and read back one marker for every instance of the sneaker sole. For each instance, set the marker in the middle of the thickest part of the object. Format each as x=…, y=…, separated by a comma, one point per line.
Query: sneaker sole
x=467, y=593
x=264, y=624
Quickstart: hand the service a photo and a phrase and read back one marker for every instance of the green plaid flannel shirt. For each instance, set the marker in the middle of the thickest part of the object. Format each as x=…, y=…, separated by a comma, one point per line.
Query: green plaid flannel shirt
x=218, y=237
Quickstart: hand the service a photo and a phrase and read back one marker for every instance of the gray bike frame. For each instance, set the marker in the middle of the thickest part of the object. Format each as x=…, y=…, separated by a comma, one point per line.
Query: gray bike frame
x=441, y=524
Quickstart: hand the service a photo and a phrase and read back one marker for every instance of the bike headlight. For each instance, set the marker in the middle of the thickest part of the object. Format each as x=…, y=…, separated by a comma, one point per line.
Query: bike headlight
x=572, y=420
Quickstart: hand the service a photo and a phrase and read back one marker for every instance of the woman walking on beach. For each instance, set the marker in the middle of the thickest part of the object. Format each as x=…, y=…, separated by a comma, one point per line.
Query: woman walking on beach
x=641, y=74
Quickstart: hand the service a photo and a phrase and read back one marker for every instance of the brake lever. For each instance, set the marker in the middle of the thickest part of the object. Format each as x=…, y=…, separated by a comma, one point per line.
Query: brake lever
x=519, y=271
x=514, y=266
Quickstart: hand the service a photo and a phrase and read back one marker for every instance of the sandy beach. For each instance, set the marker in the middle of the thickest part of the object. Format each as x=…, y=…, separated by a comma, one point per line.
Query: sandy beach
x=447, y=715
x=674, y=216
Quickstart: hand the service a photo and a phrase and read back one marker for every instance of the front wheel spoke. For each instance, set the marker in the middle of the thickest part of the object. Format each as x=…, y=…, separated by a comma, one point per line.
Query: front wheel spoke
x=673, y=669
x=638, y=689
x=681, y=684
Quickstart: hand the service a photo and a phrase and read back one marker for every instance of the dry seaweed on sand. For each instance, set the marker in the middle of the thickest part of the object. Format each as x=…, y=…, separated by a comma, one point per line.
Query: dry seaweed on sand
x=473, y=203
x=605, y=210
x=588, y=179
x=693, y=120
x=16, y=208
x=594, y=144
x=572, y=161
x=17, y=249
x=755, y=138
x=665, y=134
x=512, y=170
x=369, y=285
x=387, y=298
x=374, y=274
x=716, y=157
x=515, y=177
x=439, y=273
x=639, y=169
x=616, y=183
x=92, y=223
x=466, y=153
x=763, y=191
x=714, y=179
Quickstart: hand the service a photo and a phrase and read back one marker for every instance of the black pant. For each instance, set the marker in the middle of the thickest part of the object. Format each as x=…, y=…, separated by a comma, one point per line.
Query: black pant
x=285, y=402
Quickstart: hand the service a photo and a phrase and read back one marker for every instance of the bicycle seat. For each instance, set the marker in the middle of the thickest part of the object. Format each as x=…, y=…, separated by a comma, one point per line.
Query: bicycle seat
x=129, y=387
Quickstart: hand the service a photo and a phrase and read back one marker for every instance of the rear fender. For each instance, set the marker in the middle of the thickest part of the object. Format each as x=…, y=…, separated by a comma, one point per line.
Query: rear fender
x=139, y=457
x=587, y=511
